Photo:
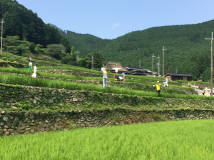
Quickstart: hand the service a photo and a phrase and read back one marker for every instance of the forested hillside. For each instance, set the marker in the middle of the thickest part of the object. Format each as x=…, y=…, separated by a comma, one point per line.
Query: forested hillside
x=86, y=43
x=19, y=21
x=187, y=50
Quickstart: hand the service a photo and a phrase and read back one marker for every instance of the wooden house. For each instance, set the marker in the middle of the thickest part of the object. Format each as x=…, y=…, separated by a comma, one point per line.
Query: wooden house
x=112, y=65
x=178, y=76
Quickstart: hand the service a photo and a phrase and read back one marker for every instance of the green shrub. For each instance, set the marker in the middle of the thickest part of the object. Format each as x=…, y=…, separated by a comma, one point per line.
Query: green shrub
x=4, y=58
x=11, y=59
x=16, y=65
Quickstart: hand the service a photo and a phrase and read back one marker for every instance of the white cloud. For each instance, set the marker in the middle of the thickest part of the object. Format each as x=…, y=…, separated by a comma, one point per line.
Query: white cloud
x=115, y=25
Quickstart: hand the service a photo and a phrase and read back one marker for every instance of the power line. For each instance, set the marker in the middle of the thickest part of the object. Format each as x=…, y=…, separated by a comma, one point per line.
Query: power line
x=163, y=59
x=158, y=65
x=211, y=70
x=153, y=63
x=92, y=62
x=77, y=57
x=1, y=33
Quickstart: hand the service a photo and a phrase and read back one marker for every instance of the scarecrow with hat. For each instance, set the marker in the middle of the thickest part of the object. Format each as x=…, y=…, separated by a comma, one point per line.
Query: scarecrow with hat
x=158, y=88
x=103, y=69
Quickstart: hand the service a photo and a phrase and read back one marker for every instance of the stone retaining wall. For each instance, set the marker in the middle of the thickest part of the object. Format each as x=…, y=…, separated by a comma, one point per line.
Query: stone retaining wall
x=12, y=123
x=30, y=97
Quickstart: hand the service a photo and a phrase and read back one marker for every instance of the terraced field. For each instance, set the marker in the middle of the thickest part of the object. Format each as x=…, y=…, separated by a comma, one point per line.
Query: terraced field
x=77, y=78
x=69, y=97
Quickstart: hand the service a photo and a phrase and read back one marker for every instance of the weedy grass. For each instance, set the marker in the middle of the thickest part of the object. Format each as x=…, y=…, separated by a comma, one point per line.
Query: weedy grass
x=69, y=67
x=177, y=140
x=16, y=70
x=23, y=80
x=27, y=72
x=151, y=78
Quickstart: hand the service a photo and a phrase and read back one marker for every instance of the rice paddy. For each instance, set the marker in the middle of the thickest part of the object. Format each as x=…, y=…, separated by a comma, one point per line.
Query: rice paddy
x=177, y=140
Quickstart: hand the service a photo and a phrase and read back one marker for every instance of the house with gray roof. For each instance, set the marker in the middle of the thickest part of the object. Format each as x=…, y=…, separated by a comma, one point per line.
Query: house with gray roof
x=178, y=76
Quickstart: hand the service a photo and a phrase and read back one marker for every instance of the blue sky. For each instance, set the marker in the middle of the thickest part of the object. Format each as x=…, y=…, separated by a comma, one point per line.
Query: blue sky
x=109, y=19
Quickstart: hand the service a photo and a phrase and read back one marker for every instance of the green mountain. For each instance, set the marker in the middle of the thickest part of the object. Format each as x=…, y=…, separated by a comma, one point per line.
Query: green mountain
x=187, y=50
x=19, y=21
x=86, y=43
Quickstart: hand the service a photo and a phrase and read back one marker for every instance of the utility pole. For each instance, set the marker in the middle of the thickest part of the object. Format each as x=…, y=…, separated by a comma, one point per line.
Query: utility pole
x=139, y=63
x=92, y=62
x=163, y=59
x=153, y=63
x=158, y=65
x=77, y=57
x=1, y=33
x=211, y=70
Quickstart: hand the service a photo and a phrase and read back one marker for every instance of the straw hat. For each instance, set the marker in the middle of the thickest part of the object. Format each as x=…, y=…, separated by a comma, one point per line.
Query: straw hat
x=157, y=81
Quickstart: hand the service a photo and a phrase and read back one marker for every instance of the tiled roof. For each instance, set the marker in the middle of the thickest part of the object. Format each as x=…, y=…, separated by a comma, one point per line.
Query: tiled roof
x=179, y=74
x=111, y=65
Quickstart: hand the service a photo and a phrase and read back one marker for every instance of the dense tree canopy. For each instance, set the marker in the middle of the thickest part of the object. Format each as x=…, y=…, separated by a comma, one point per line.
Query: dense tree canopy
x=19, y=21
x=187, y=50
x=86, y=43
x=72, y=58
x=55, y=50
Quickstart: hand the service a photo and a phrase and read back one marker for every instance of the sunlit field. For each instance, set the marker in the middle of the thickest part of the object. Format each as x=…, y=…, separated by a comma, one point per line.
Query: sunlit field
x=177, y=140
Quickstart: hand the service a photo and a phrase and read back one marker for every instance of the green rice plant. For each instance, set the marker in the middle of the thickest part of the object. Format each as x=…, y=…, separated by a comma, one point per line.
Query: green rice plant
x=66, y=67
x=151, y=78
x=134, y=78
x=27, y=72
x=16, y=70
x=177, y=140
x=23, y=80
